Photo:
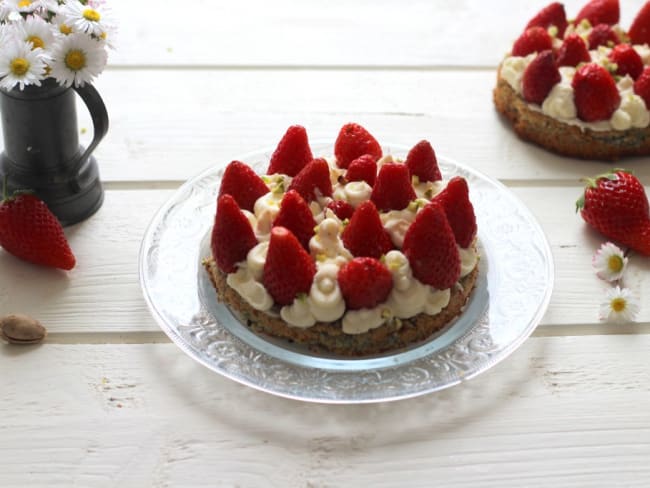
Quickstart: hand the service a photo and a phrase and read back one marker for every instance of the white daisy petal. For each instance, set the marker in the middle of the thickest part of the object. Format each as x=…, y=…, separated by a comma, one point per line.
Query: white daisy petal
x=21, y=65
x=77, y=59
x=609, y=262
x=35, y=30
x=620, y=306
x=93, y=19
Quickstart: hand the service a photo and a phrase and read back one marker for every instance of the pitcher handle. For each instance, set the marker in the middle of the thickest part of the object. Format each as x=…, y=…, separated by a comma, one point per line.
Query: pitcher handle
x=99, y=115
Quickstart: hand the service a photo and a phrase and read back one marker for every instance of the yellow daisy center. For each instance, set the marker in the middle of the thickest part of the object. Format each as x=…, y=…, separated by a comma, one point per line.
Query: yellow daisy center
x=36, y=41
x=91, y=14
x=75, y=60
x=64, y=29
x=618, y=304
x=24, y=3
x=19, y=66
x=615, y=263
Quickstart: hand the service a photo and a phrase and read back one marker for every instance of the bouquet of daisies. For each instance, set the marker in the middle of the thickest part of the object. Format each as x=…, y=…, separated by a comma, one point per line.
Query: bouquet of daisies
x=66, y=40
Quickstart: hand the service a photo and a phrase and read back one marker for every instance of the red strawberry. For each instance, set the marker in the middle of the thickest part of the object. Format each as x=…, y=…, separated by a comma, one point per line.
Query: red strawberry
x=341, y=208
x=595, y=93
x=535, y=39
x=365, y=235
x=640, y=29
x=431, y=249
x=602, y=35
x=292, y=154
x=232, y=235
x=364, y=168
x=354, y=141
x=454, y=200
x=642, y=86
x=393, y=189
x=421, y=162
x=364, y=283
x=296, y=216
x=30, y=231
x=627, y=60
x=245, y=186
x=540, y=76
x=289, y=269
x=573, y=51
x=551, y=15
x=616, y=205
x=600, y=12
x=313, y=180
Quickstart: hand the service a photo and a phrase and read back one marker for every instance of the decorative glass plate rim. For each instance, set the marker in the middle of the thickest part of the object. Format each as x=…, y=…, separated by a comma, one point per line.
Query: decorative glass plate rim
x=440, y=369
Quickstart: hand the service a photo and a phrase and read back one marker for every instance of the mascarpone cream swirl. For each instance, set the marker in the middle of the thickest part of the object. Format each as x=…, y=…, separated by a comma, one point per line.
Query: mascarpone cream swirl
x=250, y=289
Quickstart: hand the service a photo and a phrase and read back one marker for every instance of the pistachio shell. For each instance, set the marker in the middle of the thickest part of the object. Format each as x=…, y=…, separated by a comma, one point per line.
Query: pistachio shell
x=21, y=329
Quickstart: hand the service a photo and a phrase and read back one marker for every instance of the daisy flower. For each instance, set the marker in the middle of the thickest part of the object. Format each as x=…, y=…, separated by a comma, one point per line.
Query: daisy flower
x=5, y=10
x=619, y=306
x=37, y=31
x=77, y=59
x=86, y=18
x=21, y=65
x=26, y=6
x=609, y=262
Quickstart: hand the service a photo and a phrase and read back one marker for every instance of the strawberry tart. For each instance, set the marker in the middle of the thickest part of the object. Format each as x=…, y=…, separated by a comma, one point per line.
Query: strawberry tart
x=354, y=254
x=580, y=87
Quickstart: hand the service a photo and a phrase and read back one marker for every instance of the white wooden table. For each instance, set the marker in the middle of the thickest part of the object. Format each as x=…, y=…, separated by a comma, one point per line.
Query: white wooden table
x=107, y=400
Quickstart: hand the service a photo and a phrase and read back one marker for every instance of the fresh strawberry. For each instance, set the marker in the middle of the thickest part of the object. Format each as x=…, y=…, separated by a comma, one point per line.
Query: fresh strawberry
x=616, y=205
x=393, y=189
x=640, y=29
x=341, y=208
x=573, y=51
x=292, y=154
x=289, y=270
x=30, y=231
x=354, y=141
x=627, y=60
x=431, y=249
x=551, y=15
x=454, y=200
x=600, y=12
x=421, y=162
x=232, y=235
x=245, y=186
x=642, y=86
x=540, y=76
x=365, y=235
x=535, y=39
x=364, y=282
x=602, y=35
x=296, y=216
x=364, y=168
x=595, y=93
x=313, y=180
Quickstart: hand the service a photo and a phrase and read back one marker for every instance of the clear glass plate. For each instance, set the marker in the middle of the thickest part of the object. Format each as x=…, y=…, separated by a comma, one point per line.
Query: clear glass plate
x=511, y=295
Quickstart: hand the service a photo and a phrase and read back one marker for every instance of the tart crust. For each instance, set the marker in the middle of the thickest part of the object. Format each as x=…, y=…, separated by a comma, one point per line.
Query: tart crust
x=329, y=337
x=566, y=139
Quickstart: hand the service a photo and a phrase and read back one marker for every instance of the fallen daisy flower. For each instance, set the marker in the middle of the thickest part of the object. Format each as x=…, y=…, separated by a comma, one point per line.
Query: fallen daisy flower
x=609, y=262
x=619, y=306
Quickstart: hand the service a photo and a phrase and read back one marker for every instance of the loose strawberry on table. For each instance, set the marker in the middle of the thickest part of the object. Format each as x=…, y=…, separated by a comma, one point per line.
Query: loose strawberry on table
x=29, y=231
x=616, y=205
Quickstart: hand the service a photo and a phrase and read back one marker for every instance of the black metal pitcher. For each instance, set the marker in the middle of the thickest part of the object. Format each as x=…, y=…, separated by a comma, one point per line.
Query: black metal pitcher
x=42, y=151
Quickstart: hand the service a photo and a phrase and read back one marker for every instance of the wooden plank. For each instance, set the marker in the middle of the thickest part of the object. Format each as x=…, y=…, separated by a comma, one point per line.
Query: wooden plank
x=326, y=33
x=173, y=133
x=566, y=411
x=102, y=294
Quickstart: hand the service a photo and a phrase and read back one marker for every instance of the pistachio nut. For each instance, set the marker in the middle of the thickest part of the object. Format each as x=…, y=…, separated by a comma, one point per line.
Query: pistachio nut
x=21, y=329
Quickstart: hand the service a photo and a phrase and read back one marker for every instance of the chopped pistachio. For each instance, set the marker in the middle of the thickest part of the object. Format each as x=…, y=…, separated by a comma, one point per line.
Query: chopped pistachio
x=415, y=180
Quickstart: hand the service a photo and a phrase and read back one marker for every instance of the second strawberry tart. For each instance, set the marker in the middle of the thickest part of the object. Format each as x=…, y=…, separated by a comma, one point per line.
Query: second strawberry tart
x=580, y=87
x=356, y=254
